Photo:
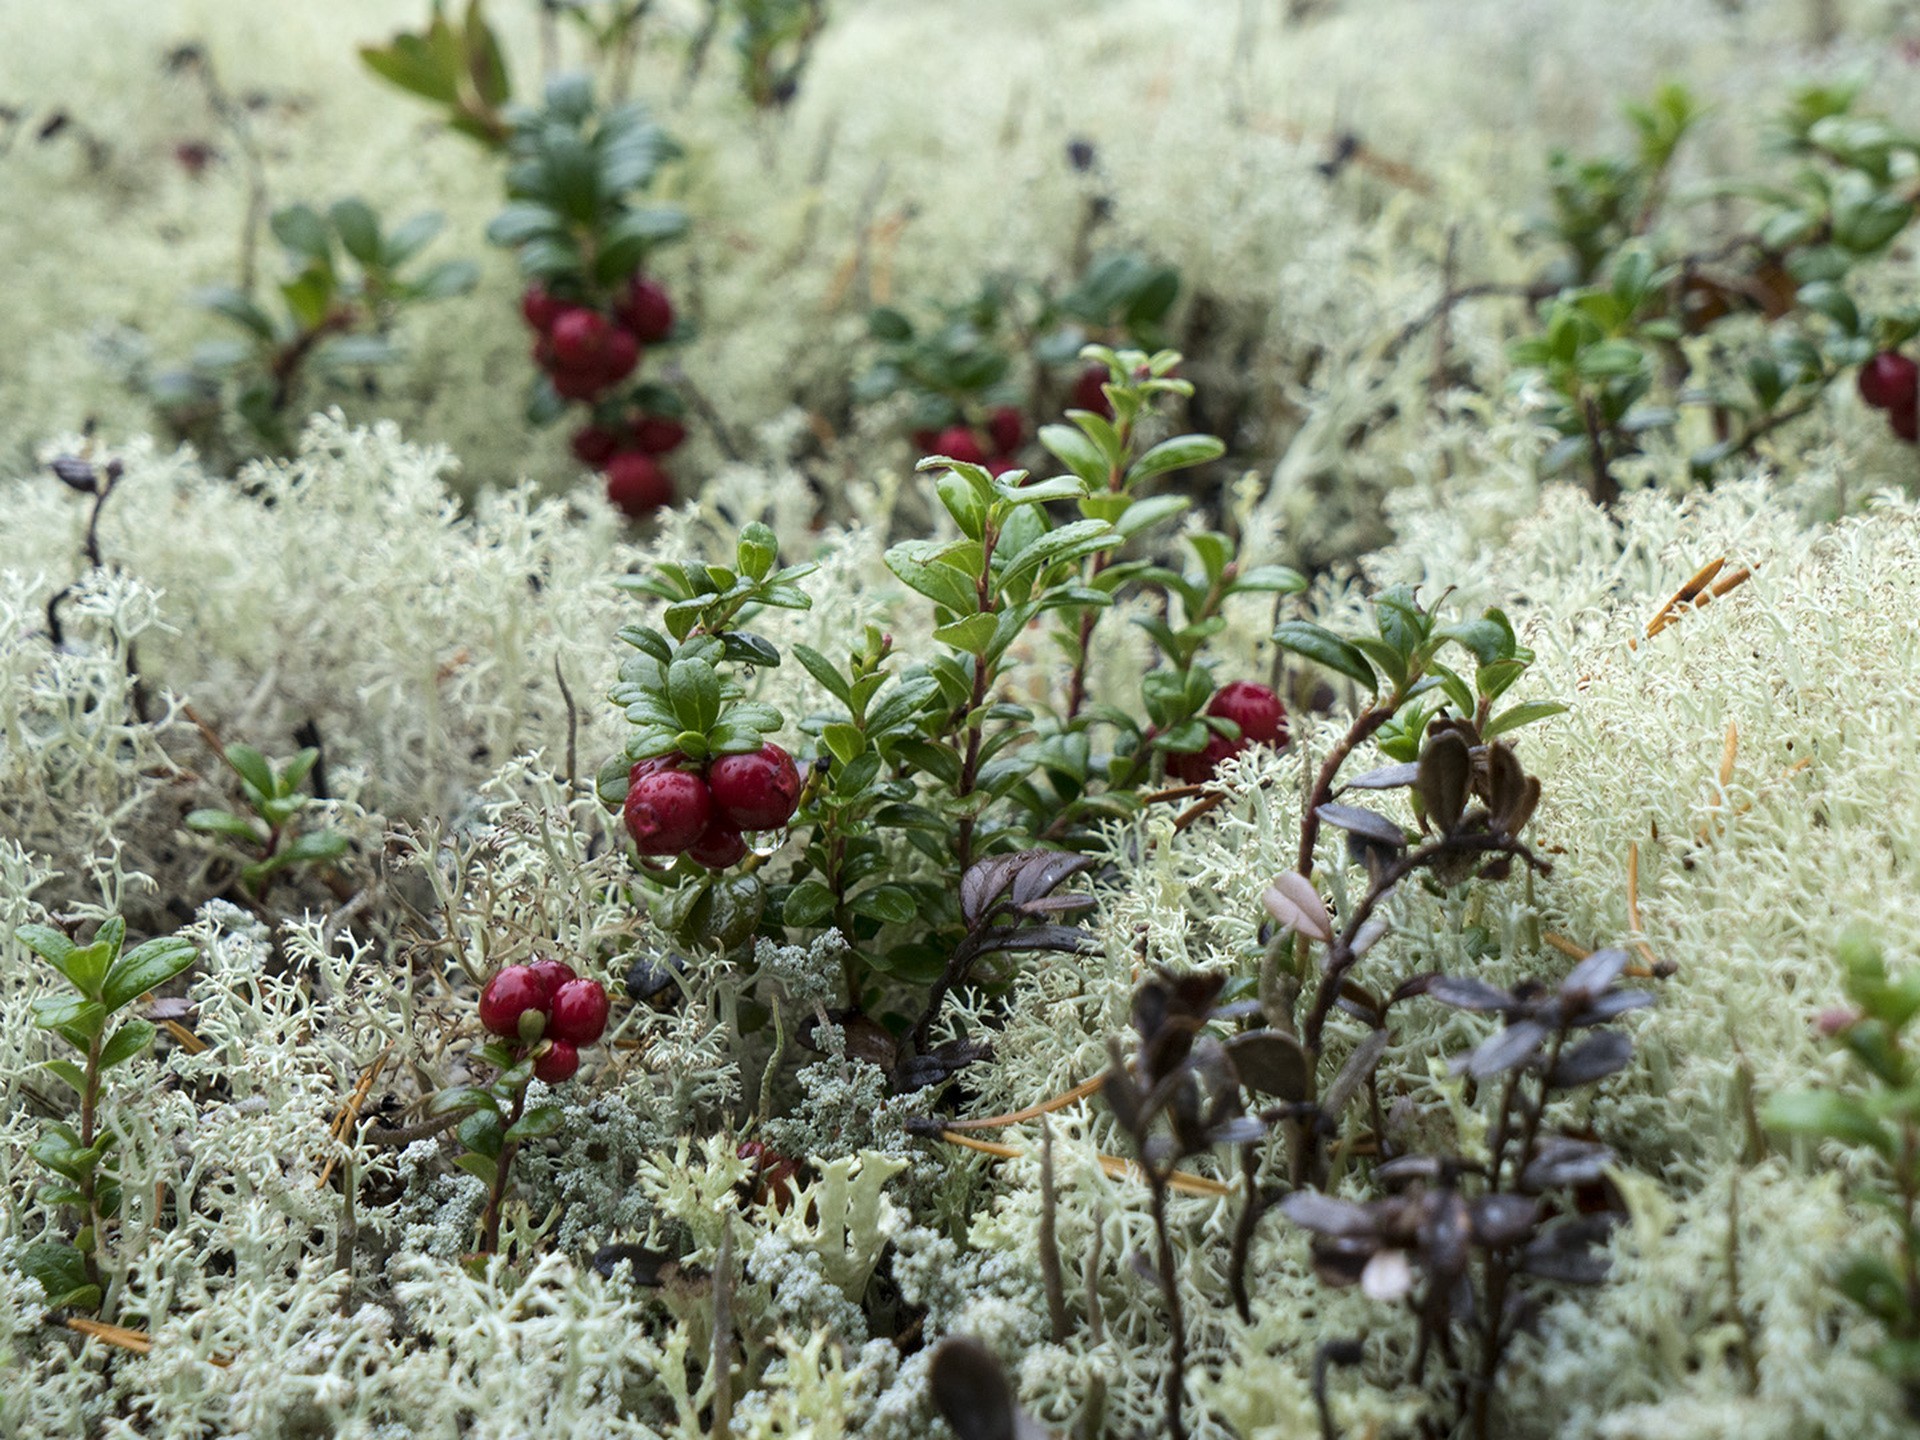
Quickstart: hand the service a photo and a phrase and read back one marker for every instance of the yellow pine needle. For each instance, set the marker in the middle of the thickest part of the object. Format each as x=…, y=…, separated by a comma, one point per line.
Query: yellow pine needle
x=1633, y=914
x=1565, y=946
x=191, y=1042
x=349, y=1112
x=1039, y=1108
x=118, y=1336
x=1706, y=585
x=122, y=1338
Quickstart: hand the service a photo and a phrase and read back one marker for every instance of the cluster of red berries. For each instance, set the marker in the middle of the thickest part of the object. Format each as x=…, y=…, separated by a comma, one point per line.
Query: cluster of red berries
x=675, y=808
x=585, y=352
x=1255, y=709
x=995, y=446
x=1891, y=382
x=546, y=1002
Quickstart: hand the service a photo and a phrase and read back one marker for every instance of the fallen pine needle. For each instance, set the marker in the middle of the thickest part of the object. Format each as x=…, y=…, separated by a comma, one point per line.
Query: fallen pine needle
x=1114, y=1166
x=1653, y=966
x=1706, y=585
x=1043, y=1107
x=120, y=1337
x=349, y=1112
x=1565, y=946
x=191, y=1042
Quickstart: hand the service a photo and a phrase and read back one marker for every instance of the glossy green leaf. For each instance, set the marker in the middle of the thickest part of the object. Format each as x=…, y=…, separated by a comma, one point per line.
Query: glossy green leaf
x=1526, y=713
x=146, y=967
x=1319, y=645
x=536, y=1123
x=131, y=1039
x=1179, y=453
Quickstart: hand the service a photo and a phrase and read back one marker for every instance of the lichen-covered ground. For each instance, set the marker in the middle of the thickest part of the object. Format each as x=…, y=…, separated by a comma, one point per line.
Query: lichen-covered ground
x=426, y=587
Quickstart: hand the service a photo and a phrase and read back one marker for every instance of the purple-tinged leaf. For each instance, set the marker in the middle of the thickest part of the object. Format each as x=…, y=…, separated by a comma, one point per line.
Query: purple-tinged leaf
x=1463, y=992
x=1614, y=1002
x=1360, y=1064
x=1503, y=1220
x=1270, y=1063
x=1592, y=975
x=1387, y=777
x=1324, y=1215
x=1506, y=1049
x=1368, y=825
x=1561, y=1161
x=1241, y=1130
x=1592, y=1059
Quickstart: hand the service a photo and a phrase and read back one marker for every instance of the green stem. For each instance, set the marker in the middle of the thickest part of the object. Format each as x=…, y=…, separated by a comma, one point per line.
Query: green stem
x=970, y=766
x=497, y=1194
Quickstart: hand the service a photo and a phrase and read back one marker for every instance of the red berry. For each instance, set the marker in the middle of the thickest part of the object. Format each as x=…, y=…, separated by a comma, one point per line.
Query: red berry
x=618, y=356
x=719, y=847
x=957, y=442
x=540, y=309
x=757, y=791
x=659, y=434
x=1255, y=709
x=648, y=767
x=551, y=974
x=1006, y=429
x=578, y=336
x=645, y=310
x=1889, y=381
x=1906, y=420
x=1197, y=767
x=557, y=1063
x=637, y=484
x=579, y=1012
x=508, y=996
x=577, y=384
x=925, y=441
x=667, y=810
x=594, y=445
x=1087, y=392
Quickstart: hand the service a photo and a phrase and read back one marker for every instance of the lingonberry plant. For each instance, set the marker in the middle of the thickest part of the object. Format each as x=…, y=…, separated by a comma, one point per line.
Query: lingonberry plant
x=698, y=770
x=981, y=375
x=336, y=319
x=583, y=239
x=583, y=235
x=1628, y=295
x=543, y=1015
x=102, y=981
x=1876, y=1117
x=271, y=837
x=924, y=775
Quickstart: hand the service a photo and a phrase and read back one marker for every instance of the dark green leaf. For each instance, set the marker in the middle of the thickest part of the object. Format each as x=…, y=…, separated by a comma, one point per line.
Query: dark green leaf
x=1178, y=453
x=131, y=1039
x=1305, y=638
x=146, y=967
x=1526, y=713
x=821, y=668
x=807, y=904
x=537, y=1123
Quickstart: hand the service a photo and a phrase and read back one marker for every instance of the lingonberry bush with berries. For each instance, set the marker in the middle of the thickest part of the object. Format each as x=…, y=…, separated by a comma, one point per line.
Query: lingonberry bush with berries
x=960, y=722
